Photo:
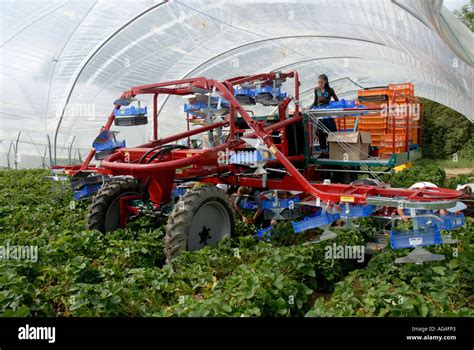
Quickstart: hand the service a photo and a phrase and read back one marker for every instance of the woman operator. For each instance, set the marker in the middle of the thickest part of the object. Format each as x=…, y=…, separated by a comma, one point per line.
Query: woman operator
x=322, y=95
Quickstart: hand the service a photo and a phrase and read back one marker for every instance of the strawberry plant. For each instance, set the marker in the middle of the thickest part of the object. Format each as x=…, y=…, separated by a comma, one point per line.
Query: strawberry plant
x=408, y=177
x=86, y=273
x=460, y=180
x=384, y=288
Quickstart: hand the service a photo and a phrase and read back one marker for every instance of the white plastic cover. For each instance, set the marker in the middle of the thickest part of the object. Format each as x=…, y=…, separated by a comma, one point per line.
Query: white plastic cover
x=63, y=63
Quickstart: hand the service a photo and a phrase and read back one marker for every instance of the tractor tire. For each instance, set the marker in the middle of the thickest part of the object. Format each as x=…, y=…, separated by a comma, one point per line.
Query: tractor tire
x=104, y=212
x=201, y=217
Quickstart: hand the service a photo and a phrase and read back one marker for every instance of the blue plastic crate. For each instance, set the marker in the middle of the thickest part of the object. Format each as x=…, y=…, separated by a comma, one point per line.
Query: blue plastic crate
x=349, y=103
x=200, y=105
x=340, y=104
x=450, y=221
x=130, y=111
x=410, y=239
x=264, y=232
x=86, y=191
x=109, y=145
x=447, y=222
x=335, y=104
x=314, y=221
x=105, y=142
x=418, y=211
x=265, y=89
x=358, y=210
x=425, y=221
x=275, y=92
x=189, y=107
x=244, y=92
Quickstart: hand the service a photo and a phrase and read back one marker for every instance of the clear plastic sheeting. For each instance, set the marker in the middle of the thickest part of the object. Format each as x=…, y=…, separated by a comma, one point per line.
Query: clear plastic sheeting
x=63, y=63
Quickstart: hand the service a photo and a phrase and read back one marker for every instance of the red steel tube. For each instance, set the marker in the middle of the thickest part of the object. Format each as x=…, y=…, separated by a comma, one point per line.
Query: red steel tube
x=155, y=117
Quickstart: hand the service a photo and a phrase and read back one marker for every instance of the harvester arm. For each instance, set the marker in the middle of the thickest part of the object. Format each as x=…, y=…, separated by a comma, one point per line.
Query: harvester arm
x=334, y=193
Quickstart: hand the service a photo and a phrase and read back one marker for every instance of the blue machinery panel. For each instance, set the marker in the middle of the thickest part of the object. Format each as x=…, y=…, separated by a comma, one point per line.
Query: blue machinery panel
x=86, y=191
x=267, y=95
x=105, y=144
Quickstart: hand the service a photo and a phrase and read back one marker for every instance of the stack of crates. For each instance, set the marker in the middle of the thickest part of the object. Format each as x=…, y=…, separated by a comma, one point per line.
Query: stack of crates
x=403, y=91
x=387, y=146
x=406, y=89
x=380, y=126
x=376, y=124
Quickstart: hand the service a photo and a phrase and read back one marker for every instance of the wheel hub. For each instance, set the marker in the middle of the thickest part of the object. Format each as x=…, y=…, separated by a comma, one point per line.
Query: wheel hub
x=209, y=225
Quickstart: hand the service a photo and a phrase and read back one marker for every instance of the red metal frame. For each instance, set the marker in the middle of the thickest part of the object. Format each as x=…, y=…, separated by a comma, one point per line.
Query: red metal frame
x=125, y=210
x=203, y=164
x=155, y=117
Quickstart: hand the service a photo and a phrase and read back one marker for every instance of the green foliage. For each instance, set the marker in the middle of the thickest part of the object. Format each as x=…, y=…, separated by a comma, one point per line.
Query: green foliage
x=70, y=259
x=466, y=15
x=467, y=150
x=387, y=289
x=409, y=176
x=85, y=273
x=446, y=132
x=459, y=180
x=451, y=163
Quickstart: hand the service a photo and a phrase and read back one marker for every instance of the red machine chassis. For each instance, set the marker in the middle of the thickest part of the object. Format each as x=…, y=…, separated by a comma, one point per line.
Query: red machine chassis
x=202, y=163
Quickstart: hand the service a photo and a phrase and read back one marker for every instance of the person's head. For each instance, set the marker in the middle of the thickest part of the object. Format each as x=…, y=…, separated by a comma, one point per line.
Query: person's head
x=243, y=190
x=284, y=194
x=323, y=82
x=466, y=192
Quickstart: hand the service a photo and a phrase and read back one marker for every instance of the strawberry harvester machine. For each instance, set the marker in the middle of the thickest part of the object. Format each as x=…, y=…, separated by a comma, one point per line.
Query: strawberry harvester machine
x=272, y=153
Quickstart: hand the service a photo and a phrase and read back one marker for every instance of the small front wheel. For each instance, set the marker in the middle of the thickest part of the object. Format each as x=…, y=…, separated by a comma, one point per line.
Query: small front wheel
x=104, y=212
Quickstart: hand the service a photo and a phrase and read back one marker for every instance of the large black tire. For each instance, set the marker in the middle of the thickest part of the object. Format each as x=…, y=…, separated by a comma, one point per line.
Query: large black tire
x=201, y=217
x=104, y=212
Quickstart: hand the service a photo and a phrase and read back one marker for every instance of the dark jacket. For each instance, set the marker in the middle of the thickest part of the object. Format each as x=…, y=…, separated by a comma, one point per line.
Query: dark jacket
x=322, y=98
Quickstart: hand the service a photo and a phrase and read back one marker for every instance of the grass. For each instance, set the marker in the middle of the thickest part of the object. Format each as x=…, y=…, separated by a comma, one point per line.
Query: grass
x=446, y=163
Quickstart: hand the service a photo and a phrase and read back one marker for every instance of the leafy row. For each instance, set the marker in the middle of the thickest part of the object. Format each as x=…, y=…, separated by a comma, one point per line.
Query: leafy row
x=85, y=273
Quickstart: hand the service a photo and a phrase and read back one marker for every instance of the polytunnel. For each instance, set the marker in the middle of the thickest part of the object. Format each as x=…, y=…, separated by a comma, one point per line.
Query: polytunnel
x=63, y=63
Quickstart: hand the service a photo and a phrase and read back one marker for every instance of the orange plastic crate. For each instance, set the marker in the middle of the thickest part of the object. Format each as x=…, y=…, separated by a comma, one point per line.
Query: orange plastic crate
x=405, y=88
x=373, y=131
x=372, y=104
x=398, y=131
x=386, y=139
x=414, y=135
x=400, y=121
x=376, y=138
x=372, y=126
x=386, y=151
x=373, y=119
x=374, y=92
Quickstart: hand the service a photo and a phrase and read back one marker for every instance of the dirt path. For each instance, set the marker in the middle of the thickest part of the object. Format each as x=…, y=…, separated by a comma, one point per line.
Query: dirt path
x=451, y=172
